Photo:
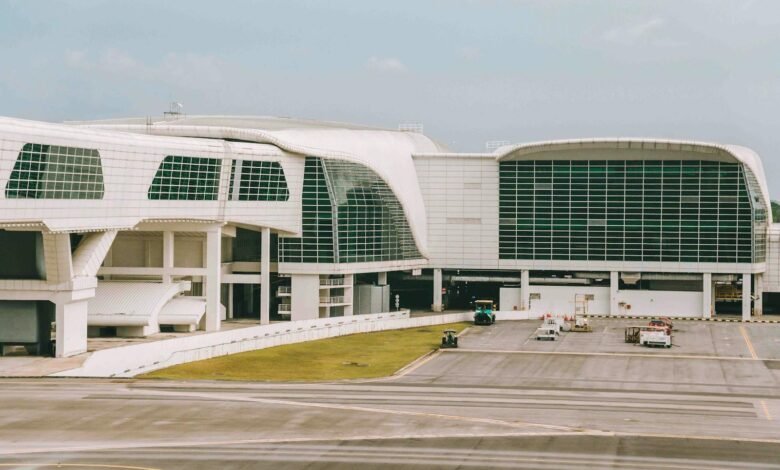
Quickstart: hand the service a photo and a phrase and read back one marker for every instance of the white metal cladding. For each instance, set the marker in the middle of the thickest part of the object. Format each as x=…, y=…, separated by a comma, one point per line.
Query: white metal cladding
x=388, y=153
x=461, y=196
x=129, y=164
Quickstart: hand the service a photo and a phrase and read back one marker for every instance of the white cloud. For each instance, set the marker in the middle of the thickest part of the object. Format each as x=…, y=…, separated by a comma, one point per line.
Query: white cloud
x=385, y=64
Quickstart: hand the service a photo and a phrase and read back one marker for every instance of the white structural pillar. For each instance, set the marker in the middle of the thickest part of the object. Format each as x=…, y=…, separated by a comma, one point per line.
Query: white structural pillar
x=746, y=288
x=758, y=294
x=213, y=277
x=381, y=279
x=265, y=276
x=71, y=331
x=525, y=287
x=614, y=283
x=706, y=295
x=305, y=296
x=437, y=303
x=167, y=256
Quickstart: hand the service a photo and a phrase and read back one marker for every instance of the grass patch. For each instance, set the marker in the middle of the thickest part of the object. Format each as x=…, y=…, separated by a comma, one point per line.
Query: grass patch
x=356, y=356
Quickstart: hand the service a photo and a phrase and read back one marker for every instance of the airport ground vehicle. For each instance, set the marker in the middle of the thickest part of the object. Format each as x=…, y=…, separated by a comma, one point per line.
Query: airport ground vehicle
x=655, y=336
x=663, y=322
x=484, y=312
x=581, y=325
x=547, y=332
x=449, y=339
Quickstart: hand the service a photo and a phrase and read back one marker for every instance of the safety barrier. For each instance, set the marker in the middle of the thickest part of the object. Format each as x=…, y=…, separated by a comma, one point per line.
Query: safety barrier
x=131, y=360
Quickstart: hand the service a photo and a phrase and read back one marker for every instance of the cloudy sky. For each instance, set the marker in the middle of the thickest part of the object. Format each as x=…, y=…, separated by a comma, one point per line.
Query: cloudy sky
x=470, y=71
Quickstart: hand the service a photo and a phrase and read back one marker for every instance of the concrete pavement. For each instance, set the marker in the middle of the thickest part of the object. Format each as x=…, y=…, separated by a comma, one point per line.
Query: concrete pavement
x=497, y=402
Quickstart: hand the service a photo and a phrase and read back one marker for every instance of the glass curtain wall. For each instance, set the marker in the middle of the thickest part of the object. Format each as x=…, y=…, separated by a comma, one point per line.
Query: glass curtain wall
x=635, y=210
x=350, y=215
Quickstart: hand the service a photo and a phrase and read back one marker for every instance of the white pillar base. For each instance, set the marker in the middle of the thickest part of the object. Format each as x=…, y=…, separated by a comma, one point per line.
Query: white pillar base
x=71, y=328
x=381, y=279
x=758, y=294
x=304, y=296
x=746, y=291
x=265, y=276
x=614, y=284
x=437, y=303
x=706, y=297
x=213, y=278
x=525, y=287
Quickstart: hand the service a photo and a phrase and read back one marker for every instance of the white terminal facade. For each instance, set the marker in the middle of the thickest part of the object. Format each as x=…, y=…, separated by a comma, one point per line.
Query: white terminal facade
x=131, y=226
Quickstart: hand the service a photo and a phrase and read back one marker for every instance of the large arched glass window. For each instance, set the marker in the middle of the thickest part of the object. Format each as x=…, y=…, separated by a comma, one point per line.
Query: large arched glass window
x=350, y=215
x=56, y=172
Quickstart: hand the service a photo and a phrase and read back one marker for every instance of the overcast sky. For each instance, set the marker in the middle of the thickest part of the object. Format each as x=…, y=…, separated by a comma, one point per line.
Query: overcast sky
x=470, y=71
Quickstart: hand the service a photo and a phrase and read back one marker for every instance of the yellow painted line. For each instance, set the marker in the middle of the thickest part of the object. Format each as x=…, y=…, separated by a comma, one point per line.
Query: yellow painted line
x=747, y=341
x=767, y=414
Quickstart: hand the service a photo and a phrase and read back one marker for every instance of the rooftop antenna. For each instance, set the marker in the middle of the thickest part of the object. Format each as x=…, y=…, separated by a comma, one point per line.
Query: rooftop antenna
x=416, y=127
x=174, y=110
x=492, y=145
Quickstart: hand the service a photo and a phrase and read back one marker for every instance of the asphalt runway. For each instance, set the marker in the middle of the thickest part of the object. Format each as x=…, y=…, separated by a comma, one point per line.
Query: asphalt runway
x=500, y=401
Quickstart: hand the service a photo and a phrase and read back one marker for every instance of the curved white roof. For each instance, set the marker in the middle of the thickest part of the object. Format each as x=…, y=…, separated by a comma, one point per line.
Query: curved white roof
x=740, y=154
x=388, y=153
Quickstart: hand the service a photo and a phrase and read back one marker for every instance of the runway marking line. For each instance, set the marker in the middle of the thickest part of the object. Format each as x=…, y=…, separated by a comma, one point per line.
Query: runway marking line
x=747, y=341
x=574, y=353
x=767, y=415
x=335, y=406
x=75, y=465
x=163, y=445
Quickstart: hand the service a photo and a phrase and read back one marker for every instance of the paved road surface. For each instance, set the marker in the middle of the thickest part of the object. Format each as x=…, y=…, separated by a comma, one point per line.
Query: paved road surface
x=500, y=401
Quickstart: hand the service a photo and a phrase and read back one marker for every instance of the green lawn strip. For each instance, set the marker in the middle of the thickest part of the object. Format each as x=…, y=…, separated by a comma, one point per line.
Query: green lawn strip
x=356, y=356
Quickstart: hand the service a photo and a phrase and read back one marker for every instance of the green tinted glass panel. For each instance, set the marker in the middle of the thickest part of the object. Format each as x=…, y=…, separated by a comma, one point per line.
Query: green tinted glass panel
x=56, y=172
x=182, y=178
x=644, y=210
x=258, y=181
x=350, y=215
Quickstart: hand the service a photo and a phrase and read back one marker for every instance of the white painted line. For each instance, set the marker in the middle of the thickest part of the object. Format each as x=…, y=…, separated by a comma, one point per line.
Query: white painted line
x=336, y=406
x=573, y=353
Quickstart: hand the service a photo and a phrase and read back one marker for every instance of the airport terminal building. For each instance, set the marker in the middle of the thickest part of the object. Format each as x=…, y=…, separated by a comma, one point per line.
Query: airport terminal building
x=133, y=226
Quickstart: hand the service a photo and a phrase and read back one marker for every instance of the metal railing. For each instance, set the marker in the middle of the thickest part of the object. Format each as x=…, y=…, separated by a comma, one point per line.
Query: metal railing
x=284, y=290
x=332, y=300
x=284, y=309
x=331, y=282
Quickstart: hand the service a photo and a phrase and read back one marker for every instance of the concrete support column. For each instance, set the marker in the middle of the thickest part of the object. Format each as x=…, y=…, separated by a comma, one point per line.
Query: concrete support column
x=437, y=303
x=305, y=296
x=71, y=328
x=614, y=284
x=167, y=256
x=525, y=287
x=746, y=288
x=706, y=295
x=381, y=279
x=213, y=277
x=265, y=276
x=758, y=294
x=229, y=313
